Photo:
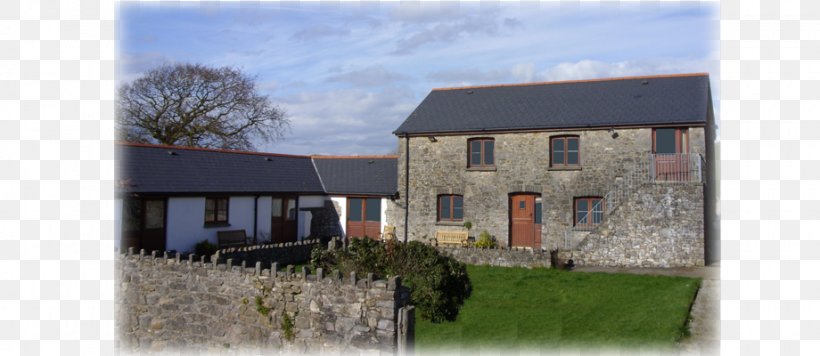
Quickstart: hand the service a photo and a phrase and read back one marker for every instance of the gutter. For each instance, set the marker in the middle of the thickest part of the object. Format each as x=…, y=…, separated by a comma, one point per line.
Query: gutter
x=406, y=184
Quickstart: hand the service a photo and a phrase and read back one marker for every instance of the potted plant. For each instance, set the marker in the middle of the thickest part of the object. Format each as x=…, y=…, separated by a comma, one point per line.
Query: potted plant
x=470, y=238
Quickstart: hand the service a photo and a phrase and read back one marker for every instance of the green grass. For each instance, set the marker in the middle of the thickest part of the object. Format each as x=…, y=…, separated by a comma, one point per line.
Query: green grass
x=525, y=308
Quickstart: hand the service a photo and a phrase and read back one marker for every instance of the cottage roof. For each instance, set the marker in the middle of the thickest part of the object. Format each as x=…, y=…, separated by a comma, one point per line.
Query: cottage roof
x=628, y=101
x=185, y=170
x=366, y=175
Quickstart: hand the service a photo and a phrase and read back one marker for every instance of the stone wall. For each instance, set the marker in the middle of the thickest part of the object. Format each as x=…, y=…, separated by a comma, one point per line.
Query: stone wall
x=282, y=253
x=167, y=304
x=522, y=165
x=503, y=257
x=660, y=226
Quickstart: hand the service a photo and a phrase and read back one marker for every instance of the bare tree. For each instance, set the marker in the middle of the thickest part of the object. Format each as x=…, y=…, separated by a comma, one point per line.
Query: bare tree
x=198, y=106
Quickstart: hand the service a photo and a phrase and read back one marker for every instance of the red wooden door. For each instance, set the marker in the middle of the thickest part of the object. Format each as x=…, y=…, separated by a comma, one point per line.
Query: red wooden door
x=522, y=221
x=283, y=219
x=671, y=148
x=363, y=217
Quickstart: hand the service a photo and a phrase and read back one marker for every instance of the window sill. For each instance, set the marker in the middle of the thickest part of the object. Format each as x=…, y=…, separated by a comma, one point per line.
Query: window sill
x=449, y=223
x=217, y=224
x=570, y=168
x=482, y=169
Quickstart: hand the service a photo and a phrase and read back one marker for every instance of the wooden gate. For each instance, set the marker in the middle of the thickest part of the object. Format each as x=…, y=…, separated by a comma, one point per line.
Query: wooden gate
x=524, y=232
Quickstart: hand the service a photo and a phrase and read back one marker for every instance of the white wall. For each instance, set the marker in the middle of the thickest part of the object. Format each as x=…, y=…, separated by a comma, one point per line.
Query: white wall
x=383, y=217
x=263, y=219
x=186, y=221
x=117, y=223
x=304, y=217
x=342, y=201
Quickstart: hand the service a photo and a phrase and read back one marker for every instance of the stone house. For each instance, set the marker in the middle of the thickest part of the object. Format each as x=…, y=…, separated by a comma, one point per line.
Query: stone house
x=616, y=171
x=170, y=198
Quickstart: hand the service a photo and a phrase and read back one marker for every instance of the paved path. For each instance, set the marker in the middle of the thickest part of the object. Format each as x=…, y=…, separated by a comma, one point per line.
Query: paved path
x=704, y=328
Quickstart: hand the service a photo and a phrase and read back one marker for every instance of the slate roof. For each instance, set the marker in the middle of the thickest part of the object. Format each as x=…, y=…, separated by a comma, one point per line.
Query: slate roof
x=358, y=175
x=151, y=169
x=631, y=101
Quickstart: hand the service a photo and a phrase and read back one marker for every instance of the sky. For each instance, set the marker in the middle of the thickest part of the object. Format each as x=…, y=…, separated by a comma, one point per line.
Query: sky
x=348, y=74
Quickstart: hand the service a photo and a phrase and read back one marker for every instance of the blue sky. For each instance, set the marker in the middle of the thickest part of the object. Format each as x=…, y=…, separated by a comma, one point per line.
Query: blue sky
x=348, y=74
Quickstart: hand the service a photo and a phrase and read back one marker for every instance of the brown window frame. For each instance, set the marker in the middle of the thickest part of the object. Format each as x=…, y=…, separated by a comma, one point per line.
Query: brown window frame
x=566, y=139
x=470, y=152
x=215, y=218
x=452, y=208
x=681, y=139
x=590, y=221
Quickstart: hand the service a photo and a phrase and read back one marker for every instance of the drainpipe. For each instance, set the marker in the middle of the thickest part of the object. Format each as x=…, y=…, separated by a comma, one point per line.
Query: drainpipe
x=255, y=216
x=406, y=184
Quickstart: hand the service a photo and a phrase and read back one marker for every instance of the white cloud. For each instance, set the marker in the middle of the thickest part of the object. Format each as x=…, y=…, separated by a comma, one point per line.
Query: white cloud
x=350, y=121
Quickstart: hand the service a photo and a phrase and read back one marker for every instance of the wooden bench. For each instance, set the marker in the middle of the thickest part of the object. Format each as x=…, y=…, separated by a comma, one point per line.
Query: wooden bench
x=231, y=238
x=451, y=238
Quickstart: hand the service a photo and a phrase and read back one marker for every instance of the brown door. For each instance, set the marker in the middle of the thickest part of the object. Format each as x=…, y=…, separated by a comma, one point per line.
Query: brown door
x=283, y=219
x=522, y=221
x=671, y=148
x=143, y=223
x=364, y=217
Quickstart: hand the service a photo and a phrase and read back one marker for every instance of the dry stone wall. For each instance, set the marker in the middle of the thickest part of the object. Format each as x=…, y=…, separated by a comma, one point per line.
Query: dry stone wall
x=170, y=304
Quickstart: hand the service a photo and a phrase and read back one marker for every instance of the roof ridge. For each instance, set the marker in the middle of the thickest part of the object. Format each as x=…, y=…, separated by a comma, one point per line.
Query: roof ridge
x=352, y=157
x=221, y=150
x=656, y=76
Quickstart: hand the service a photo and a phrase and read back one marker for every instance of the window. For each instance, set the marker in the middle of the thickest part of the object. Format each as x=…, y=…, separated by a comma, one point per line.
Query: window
x=589, y=211
x=481, y=153
x=564, y=151
x=538, y=210
x=372, y=209
x=216, y=210
x=450, y=208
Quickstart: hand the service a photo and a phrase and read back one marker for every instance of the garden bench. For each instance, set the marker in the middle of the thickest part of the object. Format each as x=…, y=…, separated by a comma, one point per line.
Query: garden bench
x=231, y=238
x=451, y=238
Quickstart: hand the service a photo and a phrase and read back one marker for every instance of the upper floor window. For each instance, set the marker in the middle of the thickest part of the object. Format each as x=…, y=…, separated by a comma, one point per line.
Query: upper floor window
x=589, y=211
x=481, y=152
x=565, y=151
x=450, y=208
x=216, y=210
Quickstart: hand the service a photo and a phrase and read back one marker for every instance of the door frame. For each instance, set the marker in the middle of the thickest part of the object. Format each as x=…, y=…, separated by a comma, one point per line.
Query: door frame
x=364, y=214
x=140, y=233
x=284, y=219
x=536, y=242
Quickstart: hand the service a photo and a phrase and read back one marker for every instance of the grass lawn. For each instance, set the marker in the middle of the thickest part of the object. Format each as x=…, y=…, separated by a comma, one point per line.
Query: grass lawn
x=524, y=308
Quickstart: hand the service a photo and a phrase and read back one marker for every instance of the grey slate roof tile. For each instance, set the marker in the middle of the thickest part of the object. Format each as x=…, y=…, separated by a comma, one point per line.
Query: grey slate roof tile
x=358, y=175
x=151, y=169
x=652, y=100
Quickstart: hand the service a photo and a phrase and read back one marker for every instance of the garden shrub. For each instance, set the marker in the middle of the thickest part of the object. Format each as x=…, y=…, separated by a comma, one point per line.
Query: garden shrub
x=485, y=240
x=205, y=248
x=439, y=284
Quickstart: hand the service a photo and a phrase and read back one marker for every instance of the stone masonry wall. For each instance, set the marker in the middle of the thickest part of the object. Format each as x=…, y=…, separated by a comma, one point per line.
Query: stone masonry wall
x=660, y=226
x=498, y=257
x=165, y=304
x=522, y=165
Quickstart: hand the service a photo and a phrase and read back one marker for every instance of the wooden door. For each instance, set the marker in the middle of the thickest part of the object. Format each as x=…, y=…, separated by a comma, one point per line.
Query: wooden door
x=522, y=221
x=143, y=224
x=671, y=148
x=283, y=219
x=363, y=217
